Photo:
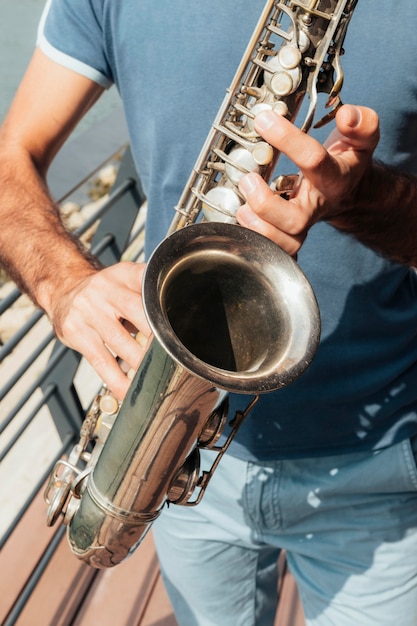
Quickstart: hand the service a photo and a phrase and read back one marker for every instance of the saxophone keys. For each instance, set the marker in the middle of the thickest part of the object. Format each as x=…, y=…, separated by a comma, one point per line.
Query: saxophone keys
x=241, y=162
x=263, y=153
x=285, y=185
x=289, y=57
x=185, y=480
x=336, y=104
x=285, y=82
x=221, y=204
x=214, y=426
x=281, y=108
x=284, y=72
x=109, y=404
x=58, y=489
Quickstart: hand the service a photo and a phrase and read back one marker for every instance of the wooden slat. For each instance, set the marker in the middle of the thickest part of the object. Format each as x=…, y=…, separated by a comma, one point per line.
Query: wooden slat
x=127, y=594
x=290, y=612
x=59, y=593
x=21, y=553
x=158, y=612
x=56, y=597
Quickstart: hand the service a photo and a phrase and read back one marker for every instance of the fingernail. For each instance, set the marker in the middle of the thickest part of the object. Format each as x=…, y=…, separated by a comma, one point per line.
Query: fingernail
x=245, y=216
x=247, y=184
x=265, y=120
x=355, y=117
x=141, y=339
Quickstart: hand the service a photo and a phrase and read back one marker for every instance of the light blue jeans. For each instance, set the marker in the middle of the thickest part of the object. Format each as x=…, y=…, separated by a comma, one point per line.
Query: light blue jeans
x=348, y=524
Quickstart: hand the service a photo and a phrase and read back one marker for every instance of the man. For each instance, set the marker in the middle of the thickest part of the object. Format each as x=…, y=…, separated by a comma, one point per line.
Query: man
x=324, y=468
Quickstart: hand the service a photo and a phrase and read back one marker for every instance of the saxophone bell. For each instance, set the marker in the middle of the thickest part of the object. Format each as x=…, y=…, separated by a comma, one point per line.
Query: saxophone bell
x=232, y=307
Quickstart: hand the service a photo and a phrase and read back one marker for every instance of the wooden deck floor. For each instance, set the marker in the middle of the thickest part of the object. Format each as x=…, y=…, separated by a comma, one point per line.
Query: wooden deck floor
x=70, y=593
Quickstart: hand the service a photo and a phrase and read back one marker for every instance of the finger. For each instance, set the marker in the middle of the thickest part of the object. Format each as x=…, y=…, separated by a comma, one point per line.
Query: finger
x=117, y=335
x=302, y=149
x=111, y=303
x=87, y=340
x=289, y=243
x=112, y=363
x=122, y=344
x=101, y=360
x=109, y=371
x=329, y=170
x=357, y=126
x=116, y=374
x=271, y=215
x=125, y=282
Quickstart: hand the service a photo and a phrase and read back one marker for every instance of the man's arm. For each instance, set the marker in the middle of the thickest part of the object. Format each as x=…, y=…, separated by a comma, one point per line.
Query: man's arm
x=85, y=303
x=47, y=106
x=340, y=183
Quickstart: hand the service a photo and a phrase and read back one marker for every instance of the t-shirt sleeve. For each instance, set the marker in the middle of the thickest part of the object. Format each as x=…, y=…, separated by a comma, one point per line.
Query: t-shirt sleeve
x=70, y=33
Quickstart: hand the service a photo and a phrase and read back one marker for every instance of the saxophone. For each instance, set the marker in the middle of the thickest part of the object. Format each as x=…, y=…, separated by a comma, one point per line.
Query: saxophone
x=229, y=310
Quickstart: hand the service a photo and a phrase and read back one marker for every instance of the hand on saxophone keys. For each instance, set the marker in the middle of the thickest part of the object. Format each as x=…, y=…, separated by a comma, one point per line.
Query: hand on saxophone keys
x=99, y=315
x=330, y=176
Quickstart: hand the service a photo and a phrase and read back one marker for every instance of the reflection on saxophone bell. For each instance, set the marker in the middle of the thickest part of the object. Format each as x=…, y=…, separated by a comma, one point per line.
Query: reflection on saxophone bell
x=229, y=310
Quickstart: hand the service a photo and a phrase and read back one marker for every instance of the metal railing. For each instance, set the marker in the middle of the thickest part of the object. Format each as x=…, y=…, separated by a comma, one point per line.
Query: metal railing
x=39, y=395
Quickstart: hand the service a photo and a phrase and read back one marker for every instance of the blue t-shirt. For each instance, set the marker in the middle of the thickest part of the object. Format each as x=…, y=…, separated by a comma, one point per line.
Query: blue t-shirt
x=172, y=62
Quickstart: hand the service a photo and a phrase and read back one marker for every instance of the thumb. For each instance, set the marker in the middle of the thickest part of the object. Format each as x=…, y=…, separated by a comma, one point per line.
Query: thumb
x=357, y=126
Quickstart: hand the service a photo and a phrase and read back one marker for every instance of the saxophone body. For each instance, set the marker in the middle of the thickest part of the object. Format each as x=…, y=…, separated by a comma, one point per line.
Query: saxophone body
x=229, y=310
